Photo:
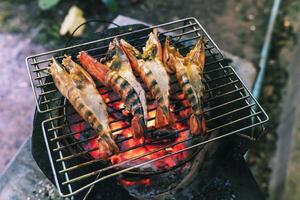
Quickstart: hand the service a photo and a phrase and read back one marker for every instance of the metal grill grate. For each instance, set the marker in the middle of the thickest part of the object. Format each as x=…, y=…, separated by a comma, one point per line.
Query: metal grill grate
x=229, y=107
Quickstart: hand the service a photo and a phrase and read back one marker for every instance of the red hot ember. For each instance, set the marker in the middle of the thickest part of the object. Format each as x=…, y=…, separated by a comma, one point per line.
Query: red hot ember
x=155, y=140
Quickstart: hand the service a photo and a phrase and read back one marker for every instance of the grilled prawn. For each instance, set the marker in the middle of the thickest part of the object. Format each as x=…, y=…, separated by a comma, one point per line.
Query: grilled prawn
x=78, y=87
x=152, y=71
x=117, y=74
x=189, y=73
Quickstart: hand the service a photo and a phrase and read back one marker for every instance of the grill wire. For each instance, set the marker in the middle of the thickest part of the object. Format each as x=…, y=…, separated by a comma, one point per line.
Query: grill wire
x=230, y=109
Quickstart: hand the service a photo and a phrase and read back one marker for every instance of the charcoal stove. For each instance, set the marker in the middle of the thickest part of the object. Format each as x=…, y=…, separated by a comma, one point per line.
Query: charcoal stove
x=168, y=161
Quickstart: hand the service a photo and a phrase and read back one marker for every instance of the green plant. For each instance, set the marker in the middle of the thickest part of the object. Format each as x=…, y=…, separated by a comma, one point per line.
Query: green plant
x=111, y=4
x=47, y=4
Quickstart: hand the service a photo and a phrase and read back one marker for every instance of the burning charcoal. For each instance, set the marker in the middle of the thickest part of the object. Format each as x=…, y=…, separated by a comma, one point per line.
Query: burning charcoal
x=163, y=135
x=117, y=114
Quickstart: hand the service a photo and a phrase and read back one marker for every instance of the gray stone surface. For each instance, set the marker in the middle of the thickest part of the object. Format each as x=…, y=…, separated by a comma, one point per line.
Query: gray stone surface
x=16, y=99
x=245, y=69
x=24, y=180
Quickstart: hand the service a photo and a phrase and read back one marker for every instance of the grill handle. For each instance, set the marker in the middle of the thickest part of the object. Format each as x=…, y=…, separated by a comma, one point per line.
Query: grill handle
x=87, y=22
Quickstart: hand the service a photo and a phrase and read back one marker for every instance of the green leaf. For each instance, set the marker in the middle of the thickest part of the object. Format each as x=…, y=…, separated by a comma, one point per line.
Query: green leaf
x=111, y=4
x=46, y=4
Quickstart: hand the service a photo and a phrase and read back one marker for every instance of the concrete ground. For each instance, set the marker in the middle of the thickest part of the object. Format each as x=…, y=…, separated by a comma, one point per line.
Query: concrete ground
x=16, y=99
x=24, y=179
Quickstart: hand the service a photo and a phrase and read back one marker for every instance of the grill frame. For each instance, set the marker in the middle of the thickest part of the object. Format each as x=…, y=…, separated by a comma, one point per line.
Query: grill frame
x=34, y=72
